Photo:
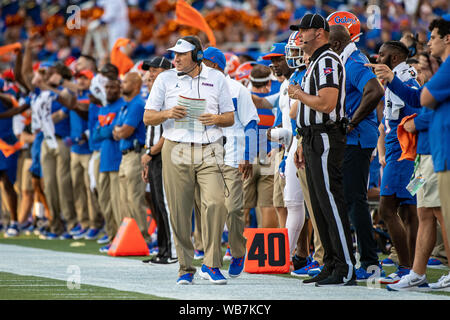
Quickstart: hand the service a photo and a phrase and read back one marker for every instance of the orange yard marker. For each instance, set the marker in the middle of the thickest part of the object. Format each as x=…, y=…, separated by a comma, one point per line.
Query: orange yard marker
x=267, y=250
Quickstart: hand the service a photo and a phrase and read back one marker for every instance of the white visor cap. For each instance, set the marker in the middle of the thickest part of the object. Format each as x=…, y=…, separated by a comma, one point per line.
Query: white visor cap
x=182, y=46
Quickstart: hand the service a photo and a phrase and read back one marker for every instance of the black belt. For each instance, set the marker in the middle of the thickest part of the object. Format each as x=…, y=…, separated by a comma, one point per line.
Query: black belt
x=124, y=152
x=323, y=127
x=194, y=144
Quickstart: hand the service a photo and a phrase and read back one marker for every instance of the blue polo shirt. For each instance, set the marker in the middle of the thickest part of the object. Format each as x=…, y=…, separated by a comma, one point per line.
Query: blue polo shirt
x=62, y=128
x=440, y=122
x=110, y=155
x=357, y=75
x=132, y=114
x=6, y=124
x=78, y=126
x=422, y=122
x=94, y=145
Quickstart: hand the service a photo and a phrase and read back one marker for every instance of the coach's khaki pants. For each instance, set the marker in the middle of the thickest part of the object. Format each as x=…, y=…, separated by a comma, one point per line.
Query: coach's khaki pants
x=58, y=186
x=184, y=166
x=235, y=218
x=86, y=204
x=109, y=198
x=132, y=191
x=235, y=214
x=444, y=193
x=318, y=248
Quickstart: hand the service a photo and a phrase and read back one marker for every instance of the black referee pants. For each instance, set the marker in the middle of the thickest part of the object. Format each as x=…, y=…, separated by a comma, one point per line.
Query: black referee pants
x=159, y=211
x=324, y=150
x=356, y=175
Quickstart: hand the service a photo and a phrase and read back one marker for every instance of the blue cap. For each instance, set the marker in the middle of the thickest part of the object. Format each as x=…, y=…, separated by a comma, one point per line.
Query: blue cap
x=261, y=60
x=446, y=17
x=276, y=50
x=46, y=64
x=215, y=55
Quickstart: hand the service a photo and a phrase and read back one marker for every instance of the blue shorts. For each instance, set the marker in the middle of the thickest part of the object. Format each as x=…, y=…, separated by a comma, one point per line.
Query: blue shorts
x=374, y=173
x=35, y=167
x=396, y=176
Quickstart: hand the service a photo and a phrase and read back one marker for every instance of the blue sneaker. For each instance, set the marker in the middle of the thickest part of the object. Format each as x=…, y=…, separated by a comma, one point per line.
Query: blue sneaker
x=81, y=234
x=227, y=256
x=24, y=226
x=387, y=262
x=153, y=247
x=396, y=276
x=363, y=275
x=29, y=231
x=103, y=240
x=435, y=264
x=236, y=266
x=92, y=234
x=75, y=230
x=303, y=272
x=224, y=237
x=212, y=274
x=105, y=249
x=65, y=236
x=51, y=236
x=12, y=230
x=187, y=278
x=314, y=271
x=198, y=254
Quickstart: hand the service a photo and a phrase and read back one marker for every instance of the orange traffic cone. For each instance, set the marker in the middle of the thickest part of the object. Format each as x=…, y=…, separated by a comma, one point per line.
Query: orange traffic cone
x=151, y=222
x=128, y=241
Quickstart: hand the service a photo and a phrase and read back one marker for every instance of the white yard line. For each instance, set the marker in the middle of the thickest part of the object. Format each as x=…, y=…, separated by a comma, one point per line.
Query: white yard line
x=159, y=280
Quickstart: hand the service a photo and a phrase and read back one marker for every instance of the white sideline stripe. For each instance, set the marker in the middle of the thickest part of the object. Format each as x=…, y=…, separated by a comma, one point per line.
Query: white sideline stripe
x=160, y=280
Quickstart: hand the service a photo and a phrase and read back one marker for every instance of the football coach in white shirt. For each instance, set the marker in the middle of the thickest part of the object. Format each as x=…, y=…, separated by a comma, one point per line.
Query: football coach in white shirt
x=188, y=156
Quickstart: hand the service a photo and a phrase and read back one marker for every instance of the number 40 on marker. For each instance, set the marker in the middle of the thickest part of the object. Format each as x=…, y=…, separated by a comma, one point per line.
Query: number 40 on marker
x=267, y=250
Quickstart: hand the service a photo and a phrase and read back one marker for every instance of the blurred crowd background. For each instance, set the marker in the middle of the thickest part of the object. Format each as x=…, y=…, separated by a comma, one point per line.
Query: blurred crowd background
x=248, y=28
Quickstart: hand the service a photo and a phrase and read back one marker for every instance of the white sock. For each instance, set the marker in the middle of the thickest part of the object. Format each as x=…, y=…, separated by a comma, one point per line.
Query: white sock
x=294, y=223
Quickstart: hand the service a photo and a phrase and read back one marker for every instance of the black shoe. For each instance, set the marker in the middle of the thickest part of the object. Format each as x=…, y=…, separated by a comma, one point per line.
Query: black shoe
x=299, y=262
x=325, y=273
x=337, y=280
x=162, y=260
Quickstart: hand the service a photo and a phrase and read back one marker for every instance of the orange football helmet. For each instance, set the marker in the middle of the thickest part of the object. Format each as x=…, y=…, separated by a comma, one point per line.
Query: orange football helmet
x=349, y=20
x=232, y=64
x=243, y=72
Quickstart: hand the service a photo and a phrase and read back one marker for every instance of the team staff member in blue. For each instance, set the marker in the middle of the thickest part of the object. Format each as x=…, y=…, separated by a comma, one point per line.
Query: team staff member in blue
x=363, y=93
x=188, y=157
x=8, y=164
x=110, y=157
x=428, y=200
x=397, y=206
x=436, y=96
x=129, y=130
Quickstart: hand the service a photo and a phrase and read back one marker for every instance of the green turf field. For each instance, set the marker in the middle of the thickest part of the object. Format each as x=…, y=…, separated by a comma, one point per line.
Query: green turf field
x=19, y=287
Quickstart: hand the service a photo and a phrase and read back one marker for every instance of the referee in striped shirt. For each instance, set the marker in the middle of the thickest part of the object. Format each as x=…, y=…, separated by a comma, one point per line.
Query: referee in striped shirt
x=321, y=123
